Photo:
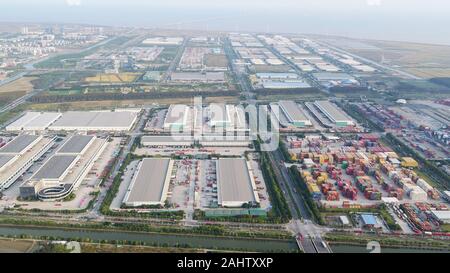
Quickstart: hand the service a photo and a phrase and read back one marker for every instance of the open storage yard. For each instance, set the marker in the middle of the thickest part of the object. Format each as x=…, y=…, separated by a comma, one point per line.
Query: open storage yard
x=358, y=172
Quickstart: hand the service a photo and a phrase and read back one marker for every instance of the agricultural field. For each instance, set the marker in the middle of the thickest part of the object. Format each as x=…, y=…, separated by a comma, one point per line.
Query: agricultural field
x=105, y=105
x=15, y=246
x=22, y=85
x=15, y=89
x=114, y=78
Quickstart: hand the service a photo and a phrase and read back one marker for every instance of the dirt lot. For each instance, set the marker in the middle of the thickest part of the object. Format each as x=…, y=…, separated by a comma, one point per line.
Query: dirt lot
x=216, y=60
x=114, y=78
x=22, y=85
x=15, y=246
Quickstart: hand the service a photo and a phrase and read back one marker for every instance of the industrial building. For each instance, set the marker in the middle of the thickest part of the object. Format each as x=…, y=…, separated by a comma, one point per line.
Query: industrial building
x=192, y=77
x=225, y=141
x=95, y=121
x=298, y=84
x=368, y=220
x=227, y=118
x=442, y=216
x=235, y=184
x=33, y=121
x=64, y=171
x=334, y=114
x=277, y=76
x=150, y=184
x=335, y=79
x=75, y=121
x=177, y=118
x=76, y=144
x=17, y=156
x=167, y=141
x=164, y=41
x=294, y=114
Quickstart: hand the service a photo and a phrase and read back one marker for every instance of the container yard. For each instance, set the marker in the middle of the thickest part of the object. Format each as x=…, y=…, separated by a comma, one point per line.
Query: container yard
x=357, y=171
x=418, y=125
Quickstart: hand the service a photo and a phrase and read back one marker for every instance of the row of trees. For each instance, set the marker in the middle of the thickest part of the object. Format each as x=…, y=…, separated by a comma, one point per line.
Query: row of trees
x=129, y=96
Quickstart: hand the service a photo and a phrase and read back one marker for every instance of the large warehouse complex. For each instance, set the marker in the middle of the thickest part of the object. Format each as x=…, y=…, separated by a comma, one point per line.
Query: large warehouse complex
x=150, y=184
x=215, y=118
x=64, y=170
x=18, y=155
x=227, y=117
x=75, y=121
x=334, y=114
x=235, y=183
x=294, y=114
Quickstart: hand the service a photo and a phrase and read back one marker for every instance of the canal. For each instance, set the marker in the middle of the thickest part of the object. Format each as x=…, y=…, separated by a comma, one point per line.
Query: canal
x=195, y=241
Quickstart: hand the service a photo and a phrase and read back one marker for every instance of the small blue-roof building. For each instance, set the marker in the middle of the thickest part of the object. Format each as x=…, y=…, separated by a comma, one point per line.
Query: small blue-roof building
x=368, y=220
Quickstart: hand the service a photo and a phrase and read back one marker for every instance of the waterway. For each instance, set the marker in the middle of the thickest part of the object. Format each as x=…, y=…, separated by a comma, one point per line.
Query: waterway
x=195, y=241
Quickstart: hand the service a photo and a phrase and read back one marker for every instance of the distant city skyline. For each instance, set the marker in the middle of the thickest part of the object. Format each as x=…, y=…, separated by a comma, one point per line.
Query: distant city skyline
x=405, y=20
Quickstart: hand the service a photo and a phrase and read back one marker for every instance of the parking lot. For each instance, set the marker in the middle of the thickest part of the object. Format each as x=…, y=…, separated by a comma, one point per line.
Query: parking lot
x=193, y=185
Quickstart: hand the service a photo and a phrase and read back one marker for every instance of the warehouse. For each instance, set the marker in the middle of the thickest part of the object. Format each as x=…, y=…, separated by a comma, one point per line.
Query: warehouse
x=368, y=221
x=77, y=144
x=6, y=161
x=326, y=76
x=285, y=85
x=95, y=121
x=19, y=155
x=277, y=76
x=191, y=77
x=294, y=114
x=219, y=115
x=164, y=41
x=22, y=121
x=235, y=184
x=65, y=170
x=176, y=118
x=167, y=141
x=442, y=216
x=225, y=141
x=150, y=185
x=55, y=169
x=334, y=114
x=20, y=144
x=227, y=117
x=33, y=121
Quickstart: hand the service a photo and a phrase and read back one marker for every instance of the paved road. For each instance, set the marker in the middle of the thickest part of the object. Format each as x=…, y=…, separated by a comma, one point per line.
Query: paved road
x=176, y=60
x=95, y=212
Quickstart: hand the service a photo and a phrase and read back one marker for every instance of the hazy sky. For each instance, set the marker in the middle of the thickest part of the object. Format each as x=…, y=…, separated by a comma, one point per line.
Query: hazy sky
x=412, y=20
